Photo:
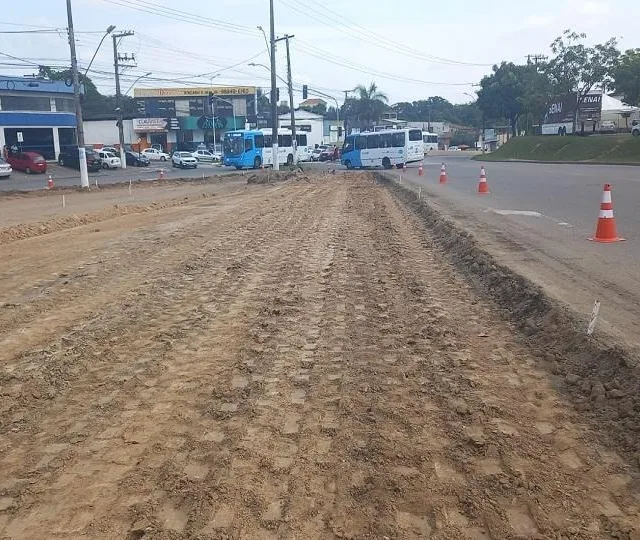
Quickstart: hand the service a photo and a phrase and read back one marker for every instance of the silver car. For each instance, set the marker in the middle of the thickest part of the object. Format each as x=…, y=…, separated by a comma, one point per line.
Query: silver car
x=5, y=169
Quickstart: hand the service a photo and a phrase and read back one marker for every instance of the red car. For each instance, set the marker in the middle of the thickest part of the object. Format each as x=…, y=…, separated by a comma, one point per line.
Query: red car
x=29, y=162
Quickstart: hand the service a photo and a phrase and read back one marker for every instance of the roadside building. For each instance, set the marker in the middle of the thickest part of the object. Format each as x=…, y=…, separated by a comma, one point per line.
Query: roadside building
x=178, y=118
x=306, y=122
x=37, y=115
x=311, y=103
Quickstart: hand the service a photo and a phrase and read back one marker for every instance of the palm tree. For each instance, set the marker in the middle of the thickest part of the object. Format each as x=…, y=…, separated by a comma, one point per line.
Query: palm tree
x=369, y=104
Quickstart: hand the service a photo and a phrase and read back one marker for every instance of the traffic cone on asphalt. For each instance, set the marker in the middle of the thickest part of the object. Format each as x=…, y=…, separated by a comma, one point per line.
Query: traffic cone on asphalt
x=606, y=228
x=420, y=169
x=483, y=185
x=443, y=174
x=50, y=183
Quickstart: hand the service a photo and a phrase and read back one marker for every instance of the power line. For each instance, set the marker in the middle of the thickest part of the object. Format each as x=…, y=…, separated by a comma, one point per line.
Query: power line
x=361, y=33
x=310, y=51
x=183, y=16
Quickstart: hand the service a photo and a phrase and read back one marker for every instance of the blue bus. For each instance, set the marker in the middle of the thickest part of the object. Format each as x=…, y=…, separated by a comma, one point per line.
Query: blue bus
x=252, y=149
x=382, y=148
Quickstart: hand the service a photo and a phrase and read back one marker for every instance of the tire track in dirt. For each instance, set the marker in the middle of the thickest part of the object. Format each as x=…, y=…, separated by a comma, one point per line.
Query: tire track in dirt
x=317, y=371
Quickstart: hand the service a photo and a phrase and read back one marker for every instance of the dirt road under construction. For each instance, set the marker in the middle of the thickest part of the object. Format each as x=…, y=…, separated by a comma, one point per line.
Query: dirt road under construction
x=296, y=360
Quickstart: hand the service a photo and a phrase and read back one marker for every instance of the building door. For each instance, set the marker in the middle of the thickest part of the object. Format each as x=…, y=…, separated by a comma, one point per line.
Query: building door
x=67, y=137
x=34, y=140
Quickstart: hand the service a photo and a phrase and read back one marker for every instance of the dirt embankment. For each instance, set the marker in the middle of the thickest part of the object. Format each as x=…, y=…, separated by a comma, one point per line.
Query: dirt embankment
x=291, y=360
x=603, y=381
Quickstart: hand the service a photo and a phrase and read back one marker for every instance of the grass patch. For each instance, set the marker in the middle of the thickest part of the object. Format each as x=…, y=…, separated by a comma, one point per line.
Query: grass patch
x=594, y=149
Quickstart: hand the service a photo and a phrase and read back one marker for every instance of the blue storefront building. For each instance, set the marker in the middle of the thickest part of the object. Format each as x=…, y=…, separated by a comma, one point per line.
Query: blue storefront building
x=36, y=115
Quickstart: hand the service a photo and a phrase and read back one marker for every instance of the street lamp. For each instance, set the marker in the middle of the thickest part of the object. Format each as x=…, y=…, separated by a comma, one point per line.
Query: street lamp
x=253, y=64
x=134, y=82
x=265, y=37
x=109, y=29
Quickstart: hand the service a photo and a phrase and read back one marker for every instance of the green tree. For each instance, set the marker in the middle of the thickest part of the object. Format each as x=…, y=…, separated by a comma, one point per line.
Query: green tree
x=320, y=108
x=367, y=107
x=94, y=104
x=626, y=77
x=577, y=68
x=501, y=93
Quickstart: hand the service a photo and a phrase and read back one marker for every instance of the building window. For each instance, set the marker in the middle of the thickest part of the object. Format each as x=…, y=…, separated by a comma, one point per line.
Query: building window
x=25, y=103
x=65, y=105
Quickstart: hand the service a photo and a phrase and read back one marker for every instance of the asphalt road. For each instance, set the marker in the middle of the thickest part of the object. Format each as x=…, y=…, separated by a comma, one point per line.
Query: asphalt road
x=63, y=176
x=538, y=218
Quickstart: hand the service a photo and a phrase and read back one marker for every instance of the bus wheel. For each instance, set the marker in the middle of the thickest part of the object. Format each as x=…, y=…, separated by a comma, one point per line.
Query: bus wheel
x=348, y=165
x=386, y=163
x=290, y=160
x=257, y=162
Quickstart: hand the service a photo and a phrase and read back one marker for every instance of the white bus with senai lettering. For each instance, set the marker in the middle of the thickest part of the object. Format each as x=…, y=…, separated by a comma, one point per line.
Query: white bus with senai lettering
x=388, y=148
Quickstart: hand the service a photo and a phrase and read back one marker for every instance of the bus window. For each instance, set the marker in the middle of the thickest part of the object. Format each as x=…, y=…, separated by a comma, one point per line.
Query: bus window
x=385, y=140
x=397, y=139
x=361, y=142
x=259, y=140
x=433, y=139
x=302, y=139
x=248, y=145
x=268, y=141
x=349, y=144
x=373, y=141
x=284, y=140
x=415, y=135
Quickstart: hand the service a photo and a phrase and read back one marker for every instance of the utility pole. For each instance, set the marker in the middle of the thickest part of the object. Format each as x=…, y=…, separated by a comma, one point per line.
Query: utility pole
x=290, y=85
x=116, y=66
x=274, y=100
x=82, y=153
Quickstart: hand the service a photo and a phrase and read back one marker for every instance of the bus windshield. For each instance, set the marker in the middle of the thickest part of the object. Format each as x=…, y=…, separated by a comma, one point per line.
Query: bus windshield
x=233, y=144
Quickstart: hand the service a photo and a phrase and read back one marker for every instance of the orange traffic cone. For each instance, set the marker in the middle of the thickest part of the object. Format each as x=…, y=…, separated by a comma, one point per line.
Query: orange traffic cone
x=606, y=227
x=483, y=185
x=420, y=169
x=443, y=174
x=50, y=183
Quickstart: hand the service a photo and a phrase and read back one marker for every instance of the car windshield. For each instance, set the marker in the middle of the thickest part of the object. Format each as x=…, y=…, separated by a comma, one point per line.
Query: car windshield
x=184, y=154
x=234, y=145
x=38, y=159
x=109, y=155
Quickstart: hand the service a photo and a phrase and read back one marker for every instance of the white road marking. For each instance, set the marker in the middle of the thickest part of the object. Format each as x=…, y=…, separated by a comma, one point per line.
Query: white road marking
x=530, y=213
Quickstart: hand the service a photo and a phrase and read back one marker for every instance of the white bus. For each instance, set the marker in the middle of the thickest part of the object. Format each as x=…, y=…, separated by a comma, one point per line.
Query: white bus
x=430, y=141
x=383, y=148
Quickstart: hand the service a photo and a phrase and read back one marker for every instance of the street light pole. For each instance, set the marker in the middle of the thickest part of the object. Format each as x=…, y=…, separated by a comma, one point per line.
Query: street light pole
x=82, y=153
x=123, y=155
x=274, y=100
x=294, y=142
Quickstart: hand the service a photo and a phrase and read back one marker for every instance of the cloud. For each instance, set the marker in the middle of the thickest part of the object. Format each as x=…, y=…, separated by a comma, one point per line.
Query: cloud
x=594, y=7
x=538, y=21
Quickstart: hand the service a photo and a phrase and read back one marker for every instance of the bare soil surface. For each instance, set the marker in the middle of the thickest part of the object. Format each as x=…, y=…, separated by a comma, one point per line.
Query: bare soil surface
x=296, y=360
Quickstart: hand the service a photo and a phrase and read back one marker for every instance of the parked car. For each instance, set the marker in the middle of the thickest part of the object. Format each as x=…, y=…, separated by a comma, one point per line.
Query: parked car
x=29, y=162
x=608, y=126
x=155, y=155
x=635, y=129
x=205, y=155
x=111, y=149
x=5, y=168
x=315, y=154
x=137, y=159
x=328, y=154
x=184, y=160
x=69, y=158
x=454, y=149
x=109, y=160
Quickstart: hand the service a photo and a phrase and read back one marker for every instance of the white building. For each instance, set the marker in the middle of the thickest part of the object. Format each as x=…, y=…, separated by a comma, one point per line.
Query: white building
x=306, y=122
x=105, y=133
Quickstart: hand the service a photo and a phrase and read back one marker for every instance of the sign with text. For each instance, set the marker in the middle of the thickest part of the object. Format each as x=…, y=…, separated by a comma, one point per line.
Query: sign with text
x=150, y=125
x=199, y=91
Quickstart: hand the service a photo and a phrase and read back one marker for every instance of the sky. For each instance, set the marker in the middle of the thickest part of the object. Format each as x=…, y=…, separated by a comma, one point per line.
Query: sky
x=411, y=49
